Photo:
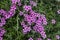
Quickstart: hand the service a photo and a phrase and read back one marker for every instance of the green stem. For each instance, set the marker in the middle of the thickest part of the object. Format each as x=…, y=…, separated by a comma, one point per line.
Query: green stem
x=17, y=23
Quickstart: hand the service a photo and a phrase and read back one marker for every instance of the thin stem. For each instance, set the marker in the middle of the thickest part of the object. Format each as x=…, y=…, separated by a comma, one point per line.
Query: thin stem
x=17, y=27
x=17, y=23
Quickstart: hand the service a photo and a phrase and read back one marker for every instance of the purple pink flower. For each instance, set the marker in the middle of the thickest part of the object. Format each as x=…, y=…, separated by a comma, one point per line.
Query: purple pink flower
x=30, y=38
x=2, y=31
x=58, y=11
x=33, y=3
x=2, y=22
x=57, y=37
x=26, y=29
x=37, y=18
x=1, y=38
x=15, y=1
x=48, y=39
x=27, y=7
x=53, y=21
x=39, y=38
x=21, y=13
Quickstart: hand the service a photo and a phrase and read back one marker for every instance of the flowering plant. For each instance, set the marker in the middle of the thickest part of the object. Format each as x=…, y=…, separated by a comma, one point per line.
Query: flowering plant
x=29, y=20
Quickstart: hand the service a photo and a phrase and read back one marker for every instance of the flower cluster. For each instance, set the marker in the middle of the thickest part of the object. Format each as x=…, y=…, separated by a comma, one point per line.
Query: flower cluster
x=4, y=15
x=36, y=20
x=32, y=20
x=26, y=28
x=2, y=31
x=11, y=12
x=2, y=22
